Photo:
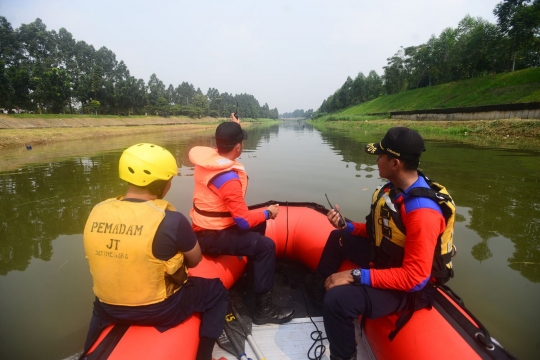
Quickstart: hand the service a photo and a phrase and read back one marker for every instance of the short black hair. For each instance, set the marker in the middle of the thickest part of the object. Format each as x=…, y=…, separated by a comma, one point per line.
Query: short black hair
x=408, y=164
x=224, y=148
x=156, y=187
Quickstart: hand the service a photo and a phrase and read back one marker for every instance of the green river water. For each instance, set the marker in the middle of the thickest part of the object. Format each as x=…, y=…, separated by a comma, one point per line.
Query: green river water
x=47, y=193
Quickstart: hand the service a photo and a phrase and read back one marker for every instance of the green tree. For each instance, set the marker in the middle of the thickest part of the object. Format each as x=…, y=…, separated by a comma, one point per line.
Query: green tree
x=156, y=90
x=520, y=21
x=358, y=89
x=82, y=73
x=185, y=93
x=38, y=47
x=9, y=53
x=51, y=90
x=200, y=103
x=215, y=102
x=345, y=93
x=127, y=95
x=264, y=111
x=395, y=73
x=50, y=71
x=162, y=107
x=58, y=92
x=96, y=80
x=94, y=106
x=374, y=85
x=66, y=60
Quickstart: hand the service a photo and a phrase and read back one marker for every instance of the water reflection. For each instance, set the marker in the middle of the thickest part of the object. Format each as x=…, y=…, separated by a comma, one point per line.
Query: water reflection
x=39, y=203
x=498, y=228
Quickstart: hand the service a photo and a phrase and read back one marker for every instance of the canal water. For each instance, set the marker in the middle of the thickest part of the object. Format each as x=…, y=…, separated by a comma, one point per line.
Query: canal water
x=47, y=193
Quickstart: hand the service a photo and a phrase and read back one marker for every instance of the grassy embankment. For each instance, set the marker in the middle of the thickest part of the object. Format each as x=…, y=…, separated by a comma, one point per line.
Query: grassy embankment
x=20, y=129
x=516, y=87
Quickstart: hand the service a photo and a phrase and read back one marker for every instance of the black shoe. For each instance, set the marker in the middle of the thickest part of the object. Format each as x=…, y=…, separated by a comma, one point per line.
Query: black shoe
x=268, y=313
x=315, y=288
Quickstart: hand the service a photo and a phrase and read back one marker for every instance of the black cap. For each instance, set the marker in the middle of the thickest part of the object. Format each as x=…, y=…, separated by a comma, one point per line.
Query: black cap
x=400, y=142
x=230, y=133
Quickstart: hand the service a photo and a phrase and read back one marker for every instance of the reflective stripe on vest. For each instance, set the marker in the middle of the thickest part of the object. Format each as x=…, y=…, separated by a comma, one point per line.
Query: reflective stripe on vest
x=118, y=240
x=212, y=212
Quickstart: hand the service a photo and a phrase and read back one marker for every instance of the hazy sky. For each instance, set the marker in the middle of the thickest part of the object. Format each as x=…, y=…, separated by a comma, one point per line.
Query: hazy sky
x=290, y=54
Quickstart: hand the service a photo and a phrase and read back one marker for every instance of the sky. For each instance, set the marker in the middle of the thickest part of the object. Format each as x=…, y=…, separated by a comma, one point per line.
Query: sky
x=289, y=54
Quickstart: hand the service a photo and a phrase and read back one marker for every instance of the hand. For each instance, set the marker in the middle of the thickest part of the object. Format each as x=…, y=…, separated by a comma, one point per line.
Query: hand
x=274, y=210
x=338, y=279
x=234, y=119
x=334, y=216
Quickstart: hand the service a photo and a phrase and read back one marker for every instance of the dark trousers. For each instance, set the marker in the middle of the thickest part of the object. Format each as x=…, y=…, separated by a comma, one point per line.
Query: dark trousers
x=259, y=249
x=342, y=246
x=343, y=304
x=206, y=296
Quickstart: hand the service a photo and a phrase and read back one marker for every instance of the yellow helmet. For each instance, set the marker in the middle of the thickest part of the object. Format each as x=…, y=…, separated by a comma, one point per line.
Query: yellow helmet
x=144, y=163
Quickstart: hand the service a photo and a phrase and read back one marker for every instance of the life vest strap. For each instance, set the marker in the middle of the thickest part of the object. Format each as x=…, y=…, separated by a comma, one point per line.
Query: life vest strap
x=214, y=214
x=412, y=301
x=108, y=344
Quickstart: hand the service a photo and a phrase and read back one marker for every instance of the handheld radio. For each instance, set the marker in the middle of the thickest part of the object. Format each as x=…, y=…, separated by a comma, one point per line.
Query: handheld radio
x=341, y=221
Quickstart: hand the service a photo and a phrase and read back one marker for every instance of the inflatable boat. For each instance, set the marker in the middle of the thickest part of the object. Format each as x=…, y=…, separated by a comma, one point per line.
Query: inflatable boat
x=447, y=331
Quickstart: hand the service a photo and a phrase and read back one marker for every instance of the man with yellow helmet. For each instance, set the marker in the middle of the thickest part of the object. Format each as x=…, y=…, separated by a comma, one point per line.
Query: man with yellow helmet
x=139, y=249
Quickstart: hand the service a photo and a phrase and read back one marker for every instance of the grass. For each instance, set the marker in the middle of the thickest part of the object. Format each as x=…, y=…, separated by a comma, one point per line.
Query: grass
x=142, y=117
x=511, y=127
x=515, y=133
x=102, y=126
x=70, y=116
x=515, y=87
x=343, y=117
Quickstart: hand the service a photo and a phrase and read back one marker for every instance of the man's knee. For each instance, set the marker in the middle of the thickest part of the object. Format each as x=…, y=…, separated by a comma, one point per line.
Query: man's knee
x=220, y=290
x=335, y=237
x=266, y=245
x=344, y=301
x=331, y=300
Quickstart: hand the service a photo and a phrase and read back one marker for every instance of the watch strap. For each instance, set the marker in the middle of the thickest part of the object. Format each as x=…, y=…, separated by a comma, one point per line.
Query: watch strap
x=357, y=278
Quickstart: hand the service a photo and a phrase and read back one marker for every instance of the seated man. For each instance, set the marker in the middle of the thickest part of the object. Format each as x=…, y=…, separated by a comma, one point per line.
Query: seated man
x=139, y=249
x=224, y=225
x=403, y=249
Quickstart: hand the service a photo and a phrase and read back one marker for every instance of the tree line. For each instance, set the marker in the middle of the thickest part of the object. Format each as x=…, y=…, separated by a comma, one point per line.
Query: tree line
x=475, y=48
x=298, y=113
x=50, y=72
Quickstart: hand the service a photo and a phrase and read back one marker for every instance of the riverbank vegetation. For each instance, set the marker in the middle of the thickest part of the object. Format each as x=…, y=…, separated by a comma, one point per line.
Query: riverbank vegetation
x=515, y=87
x=44, y=71
x=474, y=49
x=510, y=133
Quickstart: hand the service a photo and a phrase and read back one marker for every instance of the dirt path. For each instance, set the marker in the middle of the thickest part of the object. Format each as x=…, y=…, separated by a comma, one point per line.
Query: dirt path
x=17, y=132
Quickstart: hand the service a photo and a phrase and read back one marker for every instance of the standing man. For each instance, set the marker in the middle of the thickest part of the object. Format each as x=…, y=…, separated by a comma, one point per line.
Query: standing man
x=223, y=223
x=403, y=249
x=139, y=249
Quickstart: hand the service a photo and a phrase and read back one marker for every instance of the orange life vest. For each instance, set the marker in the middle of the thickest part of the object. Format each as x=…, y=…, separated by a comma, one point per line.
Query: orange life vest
x=209, y=210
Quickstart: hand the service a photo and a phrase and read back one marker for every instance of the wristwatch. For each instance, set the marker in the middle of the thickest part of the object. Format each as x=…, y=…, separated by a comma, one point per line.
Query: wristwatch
x=357, y=276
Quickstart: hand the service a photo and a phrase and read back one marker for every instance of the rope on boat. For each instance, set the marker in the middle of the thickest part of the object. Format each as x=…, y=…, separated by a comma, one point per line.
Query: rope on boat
x=480, y=333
